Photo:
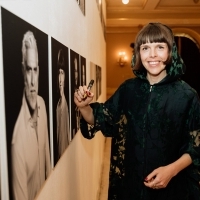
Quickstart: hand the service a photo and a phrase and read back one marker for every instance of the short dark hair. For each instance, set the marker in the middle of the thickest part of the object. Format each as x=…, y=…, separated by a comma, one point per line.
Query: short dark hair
x=153, y=32
x=61, y=60
x=60, y=65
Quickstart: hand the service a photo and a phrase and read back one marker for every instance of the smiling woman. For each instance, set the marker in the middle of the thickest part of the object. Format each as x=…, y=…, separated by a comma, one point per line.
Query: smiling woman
x=154, y=122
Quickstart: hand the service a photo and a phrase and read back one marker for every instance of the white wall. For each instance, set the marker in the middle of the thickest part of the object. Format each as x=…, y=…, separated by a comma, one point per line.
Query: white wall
x=77, y=174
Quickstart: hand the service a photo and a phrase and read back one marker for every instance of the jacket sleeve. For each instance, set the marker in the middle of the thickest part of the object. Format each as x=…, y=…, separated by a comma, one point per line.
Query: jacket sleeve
x=193, y=146
x=109, y=116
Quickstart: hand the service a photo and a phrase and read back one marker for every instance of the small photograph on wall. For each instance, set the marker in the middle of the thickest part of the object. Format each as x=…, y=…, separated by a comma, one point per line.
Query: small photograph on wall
x=60, y=98
x=82, y=6
x=26, y=86
x=98, y=81
x=93, y=76
x=75, y=83
x=97, y=3
x=101, y=11
x=104, y=28
x=82, y=71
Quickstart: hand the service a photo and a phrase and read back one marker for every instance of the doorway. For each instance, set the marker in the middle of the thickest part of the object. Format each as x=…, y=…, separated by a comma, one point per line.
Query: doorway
x=190, y=53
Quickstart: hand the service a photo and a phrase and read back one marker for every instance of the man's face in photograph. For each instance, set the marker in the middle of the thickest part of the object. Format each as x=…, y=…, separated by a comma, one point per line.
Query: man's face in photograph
x=31, y=77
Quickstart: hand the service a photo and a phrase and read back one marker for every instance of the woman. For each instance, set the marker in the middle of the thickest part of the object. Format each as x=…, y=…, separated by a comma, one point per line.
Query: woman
x=154, y=120
x=62, y=111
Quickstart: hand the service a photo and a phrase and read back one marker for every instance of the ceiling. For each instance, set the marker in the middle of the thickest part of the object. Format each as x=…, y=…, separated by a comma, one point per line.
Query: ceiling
x=140, y=12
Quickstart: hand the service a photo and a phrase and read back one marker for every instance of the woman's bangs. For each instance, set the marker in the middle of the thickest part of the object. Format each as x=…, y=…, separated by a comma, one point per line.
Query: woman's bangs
x=152, y=36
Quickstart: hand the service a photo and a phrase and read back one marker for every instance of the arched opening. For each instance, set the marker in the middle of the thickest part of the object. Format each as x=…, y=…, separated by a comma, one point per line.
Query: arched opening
x=188, y=46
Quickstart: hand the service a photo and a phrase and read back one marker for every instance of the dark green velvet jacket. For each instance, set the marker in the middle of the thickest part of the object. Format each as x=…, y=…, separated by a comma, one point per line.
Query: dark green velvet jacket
x=150, y=126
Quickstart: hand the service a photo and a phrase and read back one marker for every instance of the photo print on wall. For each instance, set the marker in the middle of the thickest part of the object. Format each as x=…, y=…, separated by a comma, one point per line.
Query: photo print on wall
x=81, y=4
x=75, y=83
x=26, y=83
x=60, y=98
x=83, y=68
x=98, y=81
x=97, y=1
x=93, y=76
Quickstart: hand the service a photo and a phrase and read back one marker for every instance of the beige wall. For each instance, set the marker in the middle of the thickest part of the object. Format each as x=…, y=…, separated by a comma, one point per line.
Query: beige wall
x=77, y=174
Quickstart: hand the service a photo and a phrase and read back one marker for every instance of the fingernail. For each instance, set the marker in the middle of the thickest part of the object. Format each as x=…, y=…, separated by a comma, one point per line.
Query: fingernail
x=146, y=179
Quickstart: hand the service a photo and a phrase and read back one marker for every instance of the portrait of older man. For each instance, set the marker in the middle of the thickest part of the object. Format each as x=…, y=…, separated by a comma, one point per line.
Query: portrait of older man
x=30, y=153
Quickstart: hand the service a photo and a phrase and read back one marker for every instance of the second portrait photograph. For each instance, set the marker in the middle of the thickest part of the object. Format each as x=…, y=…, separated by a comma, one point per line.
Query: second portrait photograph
x=60, y=91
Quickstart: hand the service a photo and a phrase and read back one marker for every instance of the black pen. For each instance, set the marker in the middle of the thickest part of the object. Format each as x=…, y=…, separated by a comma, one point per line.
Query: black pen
x=88, y=88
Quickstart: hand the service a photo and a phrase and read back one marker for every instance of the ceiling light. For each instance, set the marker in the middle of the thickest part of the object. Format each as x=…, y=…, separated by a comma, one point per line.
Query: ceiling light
x=125, y=1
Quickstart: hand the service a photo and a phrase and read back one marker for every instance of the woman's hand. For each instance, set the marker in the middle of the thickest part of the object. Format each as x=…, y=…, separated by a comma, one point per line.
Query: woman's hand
x=82, y=97
x=160, y=177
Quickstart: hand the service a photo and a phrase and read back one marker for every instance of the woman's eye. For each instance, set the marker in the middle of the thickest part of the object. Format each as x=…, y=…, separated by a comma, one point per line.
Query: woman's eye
x=160, y=47
x=144, y=48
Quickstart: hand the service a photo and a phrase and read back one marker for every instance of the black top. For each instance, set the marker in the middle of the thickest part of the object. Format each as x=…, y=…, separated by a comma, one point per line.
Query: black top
x=150, y=126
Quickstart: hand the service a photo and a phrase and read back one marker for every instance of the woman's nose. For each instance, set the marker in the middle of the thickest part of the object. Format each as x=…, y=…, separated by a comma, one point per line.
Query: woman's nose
x=153, y=52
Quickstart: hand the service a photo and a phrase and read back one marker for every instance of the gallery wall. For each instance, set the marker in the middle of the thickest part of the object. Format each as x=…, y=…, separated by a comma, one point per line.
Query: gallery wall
x=77, y=28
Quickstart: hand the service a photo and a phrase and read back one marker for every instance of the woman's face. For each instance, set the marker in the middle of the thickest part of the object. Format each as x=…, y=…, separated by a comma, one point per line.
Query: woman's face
x=61, y=79
x=153, y=56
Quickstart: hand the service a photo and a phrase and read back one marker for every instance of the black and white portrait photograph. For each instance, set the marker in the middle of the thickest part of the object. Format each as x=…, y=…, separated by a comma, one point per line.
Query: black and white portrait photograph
x=97, y=3
x=75, y=83
x=93, y=76
x=98, y=81
x=82, y=71
x=100, y=10
x=60, y=90
x=26, y=86
x=82, y=6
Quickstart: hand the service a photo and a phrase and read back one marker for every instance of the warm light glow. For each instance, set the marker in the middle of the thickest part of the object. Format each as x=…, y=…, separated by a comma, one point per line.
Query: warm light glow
x=125, y=1
x=122, y=58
